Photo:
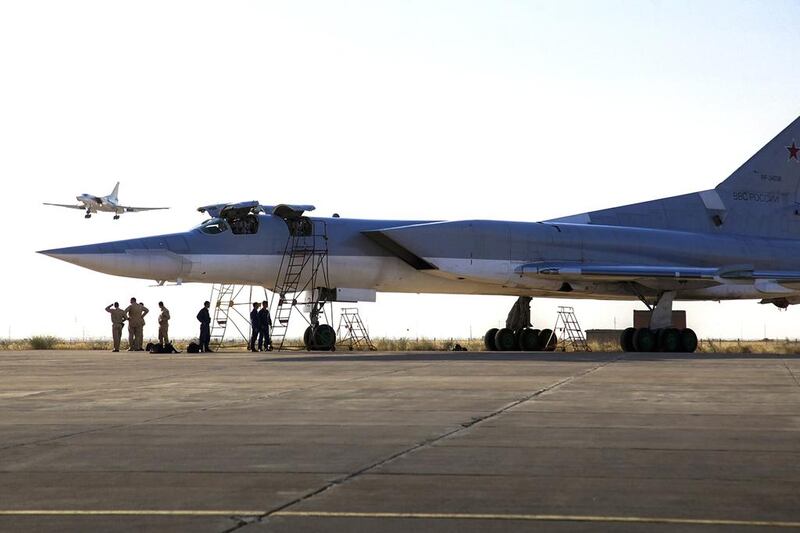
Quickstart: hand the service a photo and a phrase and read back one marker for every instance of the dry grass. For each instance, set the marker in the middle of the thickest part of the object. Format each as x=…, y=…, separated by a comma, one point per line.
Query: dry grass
x=764, y=346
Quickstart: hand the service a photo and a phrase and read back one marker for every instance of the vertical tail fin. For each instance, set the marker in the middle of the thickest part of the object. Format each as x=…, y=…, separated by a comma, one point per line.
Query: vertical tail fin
x=762, y=197
x=773, y=169
x=113, y=194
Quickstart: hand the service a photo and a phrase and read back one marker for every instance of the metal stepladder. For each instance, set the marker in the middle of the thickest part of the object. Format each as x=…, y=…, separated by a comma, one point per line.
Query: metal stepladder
x=231, y=310
x=571, y=332
x=351, y=331
x=303, y=268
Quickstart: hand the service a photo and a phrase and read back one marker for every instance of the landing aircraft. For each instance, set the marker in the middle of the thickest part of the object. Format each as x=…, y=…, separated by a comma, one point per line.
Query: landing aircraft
x=739, y=240
x=108, y=204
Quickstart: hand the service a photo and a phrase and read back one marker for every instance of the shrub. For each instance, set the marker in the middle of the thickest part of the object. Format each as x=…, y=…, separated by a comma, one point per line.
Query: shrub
x=43, y=342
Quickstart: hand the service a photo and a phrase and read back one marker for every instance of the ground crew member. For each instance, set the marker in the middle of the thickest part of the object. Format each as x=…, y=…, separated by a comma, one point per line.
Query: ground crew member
x=163, y=325
x=117, y=320
x=264, y=322
x=205, y=327
x=135, y=314
x=255, y=326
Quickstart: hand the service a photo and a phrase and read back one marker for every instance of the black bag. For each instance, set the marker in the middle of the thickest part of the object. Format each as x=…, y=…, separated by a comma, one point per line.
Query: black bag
x=169, y=348
x=193, y=348
x=151, y=347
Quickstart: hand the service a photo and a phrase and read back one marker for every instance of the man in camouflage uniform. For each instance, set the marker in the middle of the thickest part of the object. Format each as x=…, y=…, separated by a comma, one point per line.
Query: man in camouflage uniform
x=163, y=325
x=135, y=314
x=117, y=320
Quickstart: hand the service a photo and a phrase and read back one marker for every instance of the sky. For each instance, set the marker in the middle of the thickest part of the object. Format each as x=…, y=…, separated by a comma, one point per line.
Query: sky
x=410, y=110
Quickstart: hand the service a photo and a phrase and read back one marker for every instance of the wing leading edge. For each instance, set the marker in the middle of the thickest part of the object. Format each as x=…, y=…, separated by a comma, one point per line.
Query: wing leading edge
x=71, y=206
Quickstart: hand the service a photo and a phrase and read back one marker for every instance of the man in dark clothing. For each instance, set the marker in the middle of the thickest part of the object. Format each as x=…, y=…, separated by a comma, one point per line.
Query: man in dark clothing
x=264, y=322
x=205, y=327
x=255, y=327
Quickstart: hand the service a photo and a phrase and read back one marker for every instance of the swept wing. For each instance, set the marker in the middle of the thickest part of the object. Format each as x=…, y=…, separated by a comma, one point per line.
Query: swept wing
x=129, y=209
x=71, y=206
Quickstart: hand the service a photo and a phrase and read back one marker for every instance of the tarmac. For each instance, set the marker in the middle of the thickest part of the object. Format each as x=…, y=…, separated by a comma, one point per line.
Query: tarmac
x=444, y=441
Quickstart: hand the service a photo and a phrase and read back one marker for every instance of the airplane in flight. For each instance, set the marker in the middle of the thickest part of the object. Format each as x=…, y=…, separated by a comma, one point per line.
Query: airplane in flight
x=739, y=240
x=109, y=204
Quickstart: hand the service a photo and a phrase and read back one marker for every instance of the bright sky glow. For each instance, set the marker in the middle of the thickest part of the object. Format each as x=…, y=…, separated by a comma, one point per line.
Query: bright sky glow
x=413, y=110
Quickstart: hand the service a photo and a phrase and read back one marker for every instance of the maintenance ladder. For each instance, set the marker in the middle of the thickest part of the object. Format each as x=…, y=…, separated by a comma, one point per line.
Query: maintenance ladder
x=232, y=304
x=355, y=333
x=571, y=332
x=304, y=254
x=224, y=300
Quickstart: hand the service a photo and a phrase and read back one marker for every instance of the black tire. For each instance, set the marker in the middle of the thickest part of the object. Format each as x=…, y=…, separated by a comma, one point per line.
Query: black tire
x=505, y=340
x=547, y=340
x=688, y=340
x=626, y=339
x=307, y=337
x=528, y=340
x=644, y=340
x=669, y=340
x=324, y=338
x=488, y=340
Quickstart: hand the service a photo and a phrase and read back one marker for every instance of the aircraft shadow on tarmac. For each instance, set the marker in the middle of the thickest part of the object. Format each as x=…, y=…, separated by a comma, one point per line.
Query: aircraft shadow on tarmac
x=510, y=356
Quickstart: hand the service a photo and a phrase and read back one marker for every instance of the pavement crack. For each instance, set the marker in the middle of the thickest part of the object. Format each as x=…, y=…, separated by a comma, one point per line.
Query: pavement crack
x=429, y=442
x=796, y=382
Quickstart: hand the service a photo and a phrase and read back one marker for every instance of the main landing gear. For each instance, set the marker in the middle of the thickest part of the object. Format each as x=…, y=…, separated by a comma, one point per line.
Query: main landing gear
x=525, y=340
x=658, y=340
x=661, y=336
x=518, y=335
x=88, y=214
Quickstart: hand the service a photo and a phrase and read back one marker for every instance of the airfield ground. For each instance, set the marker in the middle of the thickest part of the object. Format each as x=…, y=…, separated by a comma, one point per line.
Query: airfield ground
x=442, y=441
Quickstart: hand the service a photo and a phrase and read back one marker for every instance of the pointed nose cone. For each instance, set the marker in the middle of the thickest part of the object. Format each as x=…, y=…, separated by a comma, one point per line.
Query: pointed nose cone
x=147, y=258
x=77, y=255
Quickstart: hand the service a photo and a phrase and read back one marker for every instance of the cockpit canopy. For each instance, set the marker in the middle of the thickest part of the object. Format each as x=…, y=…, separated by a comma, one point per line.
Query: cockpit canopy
x=213, y=226
x=241, y=225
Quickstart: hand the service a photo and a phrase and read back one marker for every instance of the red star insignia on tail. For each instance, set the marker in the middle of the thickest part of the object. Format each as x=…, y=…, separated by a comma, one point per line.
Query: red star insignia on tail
x=793, y=150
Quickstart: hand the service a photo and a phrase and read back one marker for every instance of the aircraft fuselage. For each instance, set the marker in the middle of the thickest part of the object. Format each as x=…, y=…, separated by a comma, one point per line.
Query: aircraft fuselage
x=470, y=257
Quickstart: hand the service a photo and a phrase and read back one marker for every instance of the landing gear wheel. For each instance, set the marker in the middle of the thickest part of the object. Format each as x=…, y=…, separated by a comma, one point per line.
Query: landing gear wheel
x=528, y=340
x=307, y=337
x=505, y=340
x=688, y=340
x=626, y=339
x=87, y=215
x=324, y=338
x=488, y=340
x=644, y=340
x=116, y=217
x=547, y=340
x=668, y=340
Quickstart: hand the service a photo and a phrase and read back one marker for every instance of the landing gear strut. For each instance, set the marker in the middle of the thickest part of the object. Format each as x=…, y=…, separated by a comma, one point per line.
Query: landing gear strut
x=518, y=334
x=319, y=336
x=660, y=336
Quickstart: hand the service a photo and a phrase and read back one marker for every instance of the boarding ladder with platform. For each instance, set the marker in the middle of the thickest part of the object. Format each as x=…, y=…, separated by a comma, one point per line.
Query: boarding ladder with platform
x=231, y=306
x=351, y=331
x=303, y=268
x=571, y=332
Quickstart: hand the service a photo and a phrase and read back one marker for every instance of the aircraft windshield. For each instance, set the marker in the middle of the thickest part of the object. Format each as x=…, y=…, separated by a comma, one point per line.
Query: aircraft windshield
x=213, y=226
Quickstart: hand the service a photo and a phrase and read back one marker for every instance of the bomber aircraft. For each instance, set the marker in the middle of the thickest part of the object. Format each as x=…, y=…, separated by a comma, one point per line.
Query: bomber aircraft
x=739, y=240
x=108, y=204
